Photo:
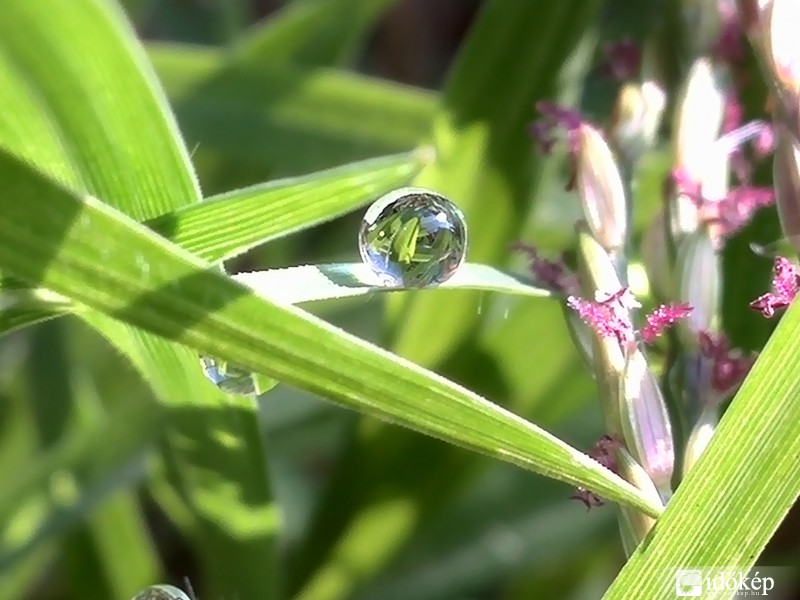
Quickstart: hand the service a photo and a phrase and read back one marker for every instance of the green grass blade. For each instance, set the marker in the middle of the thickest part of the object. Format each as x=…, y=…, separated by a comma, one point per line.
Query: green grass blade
x=309, y=283
x=229, y=224
x=728, y=507
x=153, y=284
x=313, y=32
x=128, y=433
x=24, y=310
x=123, y=145
x=112, y=550
x=216, y=464
x=285, y=119
x=84, y=452
x=224, y=226
x=123, y=138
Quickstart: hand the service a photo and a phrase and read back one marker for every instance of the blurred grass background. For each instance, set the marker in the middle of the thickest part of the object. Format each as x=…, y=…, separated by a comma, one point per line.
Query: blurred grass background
x=369, y=512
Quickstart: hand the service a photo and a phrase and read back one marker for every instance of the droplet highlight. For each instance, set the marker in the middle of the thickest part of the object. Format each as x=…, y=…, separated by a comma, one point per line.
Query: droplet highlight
x=161, y=592
x=413, y=237
x=233, y=379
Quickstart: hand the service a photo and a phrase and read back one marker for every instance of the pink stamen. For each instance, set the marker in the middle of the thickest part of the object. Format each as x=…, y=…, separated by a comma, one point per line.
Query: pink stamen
x=785, y=284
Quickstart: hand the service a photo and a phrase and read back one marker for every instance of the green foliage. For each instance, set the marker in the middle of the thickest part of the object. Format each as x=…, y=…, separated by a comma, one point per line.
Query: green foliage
x=409, y=445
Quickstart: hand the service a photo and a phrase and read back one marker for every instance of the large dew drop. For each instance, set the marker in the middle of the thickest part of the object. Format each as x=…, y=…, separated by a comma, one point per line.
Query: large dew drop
x=161, y=592
x=413, y=237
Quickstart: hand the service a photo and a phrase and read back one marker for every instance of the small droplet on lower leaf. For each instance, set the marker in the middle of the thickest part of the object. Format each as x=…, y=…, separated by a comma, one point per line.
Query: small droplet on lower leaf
x=161, y=592
x=786, y=246
x=413, y=237
x=233, y=379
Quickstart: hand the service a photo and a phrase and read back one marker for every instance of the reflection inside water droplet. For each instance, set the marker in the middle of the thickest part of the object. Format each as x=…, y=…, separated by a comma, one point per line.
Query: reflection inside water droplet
x=413, y=237
x=161, y=592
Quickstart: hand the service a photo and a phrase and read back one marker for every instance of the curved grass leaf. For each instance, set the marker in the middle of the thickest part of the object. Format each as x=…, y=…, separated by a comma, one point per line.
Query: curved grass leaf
x=309, y=283
x=155, y=285
x=104, y=448
x=124, y=137
x=229, y=224
x=313, y=32
x=733, y=500
x=101, y=123
x=21, y=306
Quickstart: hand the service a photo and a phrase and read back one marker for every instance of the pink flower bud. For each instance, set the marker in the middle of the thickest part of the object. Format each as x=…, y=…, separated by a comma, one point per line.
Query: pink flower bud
x=699, y=283
x=700, y=437
x=601, y=190
x=782, y=58
x=701, y=112
x=637, y=116
x=646, y=428
x=786, y=179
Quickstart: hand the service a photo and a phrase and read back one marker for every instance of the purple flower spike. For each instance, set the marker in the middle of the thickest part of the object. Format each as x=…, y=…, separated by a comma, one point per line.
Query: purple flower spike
x=551, y=273
x=609, y=316
x=733, y=212
x=553, y=118
x=785, y=284
x=603, y=452
x=730, y=44
x=728, y=214
x=729, y=367
x=623, y=60
x=664, y=316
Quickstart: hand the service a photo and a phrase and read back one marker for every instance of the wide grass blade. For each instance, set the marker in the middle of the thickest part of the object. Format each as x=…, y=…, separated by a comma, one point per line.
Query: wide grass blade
x=101, y=123
x=155, y=285
x=64, y=52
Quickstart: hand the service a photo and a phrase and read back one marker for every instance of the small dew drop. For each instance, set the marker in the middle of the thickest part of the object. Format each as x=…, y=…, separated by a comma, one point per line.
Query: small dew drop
x=143, y=264
x=785, y=246
x=161, y=592
x=229, y=378
x=413, y=237
x=234, y=379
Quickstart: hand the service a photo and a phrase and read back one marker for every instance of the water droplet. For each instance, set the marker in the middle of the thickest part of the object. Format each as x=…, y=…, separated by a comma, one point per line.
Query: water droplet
x=413, y=237
x=785, y=246
x=143, y=264
x=161, y=592
x=233, y=379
